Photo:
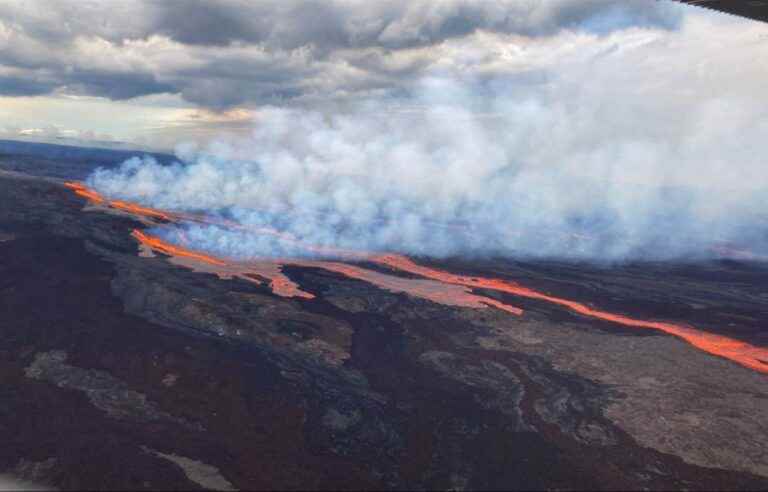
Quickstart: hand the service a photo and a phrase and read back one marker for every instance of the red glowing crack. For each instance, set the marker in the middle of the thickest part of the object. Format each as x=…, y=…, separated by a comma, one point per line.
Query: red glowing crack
x=436, y=285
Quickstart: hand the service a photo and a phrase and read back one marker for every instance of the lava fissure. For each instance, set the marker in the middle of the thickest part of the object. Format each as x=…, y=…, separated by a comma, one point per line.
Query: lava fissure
x=280, y=284
x=436, y=285
x=132, y=208
x=735, y=350
x=158, y=244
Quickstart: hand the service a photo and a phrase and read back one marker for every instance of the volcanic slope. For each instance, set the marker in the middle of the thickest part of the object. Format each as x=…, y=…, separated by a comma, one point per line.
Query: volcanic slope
x=433, y=284
x=129, y=371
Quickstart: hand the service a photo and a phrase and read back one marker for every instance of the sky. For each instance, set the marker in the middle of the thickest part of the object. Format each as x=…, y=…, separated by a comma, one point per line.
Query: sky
x=604, y=130
x=158, y=73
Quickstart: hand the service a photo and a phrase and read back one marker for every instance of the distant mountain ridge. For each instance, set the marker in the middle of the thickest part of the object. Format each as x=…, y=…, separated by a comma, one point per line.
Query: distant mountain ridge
x=61, y=151
x=65, y=161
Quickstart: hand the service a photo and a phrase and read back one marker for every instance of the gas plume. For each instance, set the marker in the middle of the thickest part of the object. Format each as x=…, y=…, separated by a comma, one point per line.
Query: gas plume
x=436, y=285
x=540, y=182
x=638, y=144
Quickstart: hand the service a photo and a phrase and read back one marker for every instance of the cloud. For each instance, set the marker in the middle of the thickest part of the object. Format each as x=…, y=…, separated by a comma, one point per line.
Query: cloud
x=629, y=146
x=114, y=85
x=23, y=86
x=221, y=54
x=330, y=25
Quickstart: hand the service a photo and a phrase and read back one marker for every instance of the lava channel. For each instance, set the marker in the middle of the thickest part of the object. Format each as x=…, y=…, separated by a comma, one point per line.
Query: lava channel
x=748, y=355
x=132, y=208
x=255, y=270
x=158, y=244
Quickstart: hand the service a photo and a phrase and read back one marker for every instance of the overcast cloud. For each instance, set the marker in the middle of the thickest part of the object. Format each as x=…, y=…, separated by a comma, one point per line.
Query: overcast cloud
x=221, y=54
x=608, y=139
x=594, y=129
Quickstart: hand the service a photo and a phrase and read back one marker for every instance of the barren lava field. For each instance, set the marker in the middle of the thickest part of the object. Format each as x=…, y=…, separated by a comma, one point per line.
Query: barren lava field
x=129, y=362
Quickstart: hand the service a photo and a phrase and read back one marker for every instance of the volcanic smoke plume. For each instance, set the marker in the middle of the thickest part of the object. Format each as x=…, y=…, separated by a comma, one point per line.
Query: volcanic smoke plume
x=634, y=144
x=591, y=160
x=433, y=284
x=528, y=172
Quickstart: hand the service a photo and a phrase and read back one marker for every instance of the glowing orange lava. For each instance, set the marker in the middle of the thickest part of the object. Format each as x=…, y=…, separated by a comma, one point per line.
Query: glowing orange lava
x=138, y=210
x=435, y=285
x=85, y=192
x=94, y=196
x=281, y=285
x=158, y=244
x=438, y=292
x=741, y=352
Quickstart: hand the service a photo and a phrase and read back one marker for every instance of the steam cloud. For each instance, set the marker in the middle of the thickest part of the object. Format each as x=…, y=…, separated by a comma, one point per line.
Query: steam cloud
x=636, y=145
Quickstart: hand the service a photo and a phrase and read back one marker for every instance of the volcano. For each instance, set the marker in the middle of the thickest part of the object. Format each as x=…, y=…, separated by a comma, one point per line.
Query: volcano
x=132, y=359
x=748, y=355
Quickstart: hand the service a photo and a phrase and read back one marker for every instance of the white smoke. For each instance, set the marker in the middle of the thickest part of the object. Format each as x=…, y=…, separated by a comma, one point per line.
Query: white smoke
x=635, y=145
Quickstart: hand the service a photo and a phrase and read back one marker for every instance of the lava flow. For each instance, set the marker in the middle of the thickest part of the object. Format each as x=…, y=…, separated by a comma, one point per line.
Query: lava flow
x=132, y=208
x=439, y=292
x=436, y=285
x=158, y=244
x=84, y=192
x=745, y=354
x=434, y=291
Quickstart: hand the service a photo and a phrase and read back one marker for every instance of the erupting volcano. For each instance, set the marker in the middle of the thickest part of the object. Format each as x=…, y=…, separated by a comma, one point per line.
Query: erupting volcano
x=433, y=284
x=344, y=245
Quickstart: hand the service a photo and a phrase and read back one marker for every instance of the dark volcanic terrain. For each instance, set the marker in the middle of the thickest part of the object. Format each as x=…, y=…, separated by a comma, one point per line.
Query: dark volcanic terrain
x=127, y=372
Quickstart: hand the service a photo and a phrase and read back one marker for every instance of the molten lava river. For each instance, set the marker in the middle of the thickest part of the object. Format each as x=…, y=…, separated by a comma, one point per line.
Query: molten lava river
x=433, y=284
